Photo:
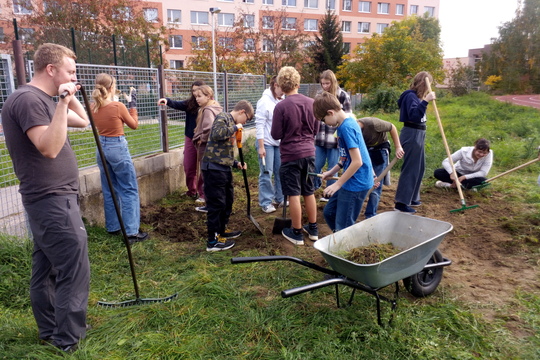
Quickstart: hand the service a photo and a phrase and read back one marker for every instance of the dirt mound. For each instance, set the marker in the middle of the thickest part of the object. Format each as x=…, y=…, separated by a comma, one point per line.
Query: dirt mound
x=491, y=245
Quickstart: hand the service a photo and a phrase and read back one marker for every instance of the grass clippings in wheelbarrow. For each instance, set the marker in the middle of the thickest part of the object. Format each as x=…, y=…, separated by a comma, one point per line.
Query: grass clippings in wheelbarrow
x=372, y=253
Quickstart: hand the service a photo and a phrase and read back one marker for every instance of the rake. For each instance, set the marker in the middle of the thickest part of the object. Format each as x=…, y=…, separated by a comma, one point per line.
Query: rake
x=138, y=300
x=449, y=155
x=488, y=181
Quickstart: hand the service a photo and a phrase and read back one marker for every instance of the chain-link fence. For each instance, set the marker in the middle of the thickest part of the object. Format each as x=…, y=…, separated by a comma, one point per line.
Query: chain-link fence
x=149, y=136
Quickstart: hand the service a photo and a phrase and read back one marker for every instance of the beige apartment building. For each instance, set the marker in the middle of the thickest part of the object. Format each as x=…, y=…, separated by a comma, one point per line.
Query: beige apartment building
x=189, y=21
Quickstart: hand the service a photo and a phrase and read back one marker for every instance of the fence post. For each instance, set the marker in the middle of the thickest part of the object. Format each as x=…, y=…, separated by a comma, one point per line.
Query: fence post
x=114, y=50
x=225, y=91
x=148, y=53
x=18, y=56
x=73, y=43
x=163, y=112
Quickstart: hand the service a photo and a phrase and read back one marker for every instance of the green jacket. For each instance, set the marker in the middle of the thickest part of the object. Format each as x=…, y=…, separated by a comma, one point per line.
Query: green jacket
x=219, y=149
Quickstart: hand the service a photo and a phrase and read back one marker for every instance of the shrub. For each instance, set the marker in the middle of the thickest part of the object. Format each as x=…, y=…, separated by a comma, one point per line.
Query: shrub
x=383, y=98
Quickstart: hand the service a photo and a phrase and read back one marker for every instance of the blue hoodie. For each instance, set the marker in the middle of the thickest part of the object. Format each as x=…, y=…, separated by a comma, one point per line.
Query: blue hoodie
x=412, y=109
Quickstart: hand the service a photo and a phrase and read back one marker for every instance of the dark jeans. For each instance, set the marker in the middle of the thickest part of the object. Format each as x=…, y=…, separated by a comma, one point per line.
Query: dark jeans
x=443, y=175
x=219, y=192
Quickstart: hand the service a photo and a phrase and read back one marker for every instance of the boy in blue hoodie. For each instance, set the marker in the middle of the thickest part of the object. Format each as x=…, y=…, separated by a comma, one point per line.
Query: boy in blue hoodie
x=348, y=193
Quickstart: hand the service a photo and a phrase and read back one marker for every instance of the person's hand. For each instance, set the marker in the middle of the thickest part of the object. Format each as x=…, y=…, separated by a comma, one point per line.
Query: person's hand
x=326, y=175
x=132, y=102
x=399, y=152
x=66, y=90
x=262, y=152
x=162, y=101
x=430, y=96
x=331, y=190
x=242, y=167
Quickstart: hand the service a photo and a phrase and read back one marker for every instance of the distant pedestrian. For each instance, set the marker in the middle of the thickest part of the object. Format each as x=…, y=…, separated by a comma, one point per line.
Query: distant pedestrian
x=268, y=149
x=326, y=151
x=191, y=108
x=413, y=105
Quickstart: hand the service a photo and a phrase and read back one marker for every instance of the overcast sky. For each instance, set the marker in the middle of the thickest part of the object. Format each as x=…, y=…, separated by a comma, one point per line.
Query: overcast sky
x=470, y=24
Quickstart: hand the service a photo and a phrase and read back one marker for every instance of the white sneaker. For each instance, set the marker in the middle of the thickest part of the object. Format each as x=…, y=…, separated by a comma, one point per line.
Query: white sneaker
x=442, y=184
x=280, y=205
x=269, y=209
x=324, y=199
x=200, y=200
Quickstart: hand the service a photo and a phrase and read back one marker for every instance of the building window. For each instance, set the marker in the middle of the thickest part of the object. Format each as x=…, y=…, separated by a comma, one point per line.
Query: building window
x=364, y=6
x=288, y=23
x=309, y=44
x=288, y=2
x=268, y=2
x=248, y=1
x=226, y=43
x=430, y=10
x=151, y=14
x=330, y=4
x=22, y=7
x=176, y=64
x=347, y=5
x=268, y=22
x=347, y=47
x=249, y=45
x=249, y=21
x=383, y=8
x=199, y=17
x=2, y=36
x=225, y=19
x=311, y=4
x=174, y=16
x=226, y=0
x=268, y=45
x=363, y=27
x=400, y=9
x=311, y=25
x=198, y=42
x=175, y=41
x=381, y=27
x=26, y=35
x=346, y=26
x=414, y=10
x=123, y=13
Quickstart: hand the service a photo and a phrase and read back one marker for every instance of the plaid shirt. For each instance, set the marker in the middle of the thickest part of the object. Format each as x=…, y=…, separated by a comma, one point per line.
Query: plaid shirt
x=325, y=137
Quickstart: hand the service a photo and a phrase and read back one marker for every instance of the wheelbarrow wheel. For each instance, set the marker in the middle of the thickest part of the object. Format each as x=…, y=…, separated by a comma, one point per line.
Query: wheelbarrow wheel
x=426, y=281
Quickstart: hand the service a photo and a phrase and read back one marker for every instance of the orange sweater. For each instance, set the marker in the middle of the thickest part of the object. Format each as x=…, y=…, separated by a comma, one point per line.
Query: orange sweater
x=110, y=119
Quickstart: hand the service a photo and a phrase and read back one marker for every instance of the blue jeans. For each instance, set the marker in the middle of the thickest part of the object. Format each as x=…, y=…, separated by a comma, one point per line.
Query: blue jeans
x=343, y=208
x=375, y=196
x=269, y=192
x=124, y=181
x=322, y=156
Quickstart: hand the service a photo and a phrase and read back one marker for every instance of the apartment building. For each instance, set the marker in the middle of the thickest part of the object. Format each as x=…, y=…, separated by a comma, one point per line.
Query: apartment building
x=189, y=22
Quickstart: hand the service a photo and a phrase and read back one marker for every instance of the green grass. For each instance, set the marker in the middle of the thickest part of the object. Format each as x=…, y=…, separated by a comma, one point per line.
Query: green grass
x=226, y=311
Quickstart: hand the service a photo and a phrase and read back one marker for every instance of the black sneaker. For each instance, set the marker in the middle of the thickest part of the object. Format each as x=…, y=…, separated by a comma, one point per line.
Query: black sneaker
x=404, y=208
x=220, y=245
x=296, y=239
x=141, y=236
x=313, y=233
x=69, y=349
x=416, y=203
x=231, y=234
x=202, y=209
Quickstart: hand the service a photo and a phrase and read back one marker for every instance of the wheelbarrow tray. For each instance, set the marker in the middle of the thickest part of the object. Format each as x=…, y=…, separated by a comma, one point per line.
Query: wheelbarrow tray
x=417, y=237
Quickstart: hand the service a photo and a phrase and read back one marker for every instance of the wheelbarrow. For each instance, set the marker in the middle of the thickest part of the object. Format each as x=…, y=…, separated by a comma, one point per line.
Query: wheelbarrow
x=418, y=264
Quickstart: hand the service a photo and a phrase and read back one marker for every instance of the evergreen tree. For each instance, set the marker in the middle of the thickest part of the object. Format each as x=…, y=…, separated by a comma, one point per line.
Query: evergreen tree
x=328, y=48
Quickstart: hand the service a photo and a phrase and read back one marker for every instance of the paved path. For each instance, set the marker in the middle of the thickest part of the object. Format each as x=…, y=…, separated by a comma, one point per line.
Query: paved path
x=524, y=100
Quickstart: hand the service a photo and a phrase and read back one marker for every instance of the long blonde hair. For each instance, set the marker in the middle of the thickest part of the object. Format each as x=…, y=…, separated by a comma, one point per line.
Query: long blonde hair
x=104, y=84
x=207, y=91
x=330, y=76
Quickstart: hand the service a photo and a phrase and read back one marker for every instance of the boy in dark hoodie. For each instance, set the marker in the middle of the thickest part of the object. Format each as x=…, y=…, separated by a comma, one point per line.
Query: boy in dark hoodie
x=413, y=105
x=216, y=168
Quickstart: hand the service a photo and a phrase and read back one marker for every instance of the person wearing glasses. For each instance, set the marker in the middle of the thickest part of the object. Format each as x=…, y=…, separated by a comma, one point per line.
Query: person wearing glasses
x=347, y=194
x=216, y=167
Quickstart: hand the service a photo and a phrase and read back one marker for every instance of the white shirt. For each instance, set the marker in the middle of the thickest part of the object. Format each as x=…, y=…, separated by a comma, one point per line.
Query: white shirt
x=465, y=164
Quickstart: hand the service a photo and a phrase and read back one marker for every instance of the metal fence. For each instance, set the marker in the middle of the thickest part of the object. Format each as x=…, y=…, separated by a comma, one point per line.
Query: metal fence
x=147, y=139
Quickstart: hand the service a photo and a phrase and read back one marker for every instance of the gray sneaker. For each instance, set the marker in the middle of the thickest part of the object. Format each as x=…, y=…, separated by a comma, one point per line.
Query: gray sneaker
x=269, y=209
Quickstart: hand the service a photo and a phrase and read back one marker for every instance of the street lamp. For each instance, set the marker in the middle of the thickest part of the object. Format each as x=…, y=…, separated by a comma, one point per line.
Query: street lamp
x=214, y=10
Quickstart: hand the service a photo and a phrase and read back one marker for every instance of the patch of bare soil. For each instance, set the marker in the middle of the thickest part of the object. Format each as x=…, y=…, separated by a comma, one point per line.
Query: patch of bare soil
x=492, y=257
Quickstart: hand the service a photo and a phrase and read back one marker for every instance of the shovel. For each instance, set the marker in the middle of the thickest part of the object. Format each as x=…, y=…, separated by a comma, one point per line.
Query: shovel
x=283, y=222
x=382, y=175
x=487, y=182
x=449, y=155
x=138, y=300
x=246, y=184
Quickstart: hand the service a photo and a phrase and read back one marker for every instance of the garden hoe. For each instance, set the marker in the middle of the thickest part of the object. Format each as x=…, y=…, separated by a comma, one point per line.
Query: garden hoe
x=449, y=155
x=246, y=184
x=138, y=300
x=487, y=182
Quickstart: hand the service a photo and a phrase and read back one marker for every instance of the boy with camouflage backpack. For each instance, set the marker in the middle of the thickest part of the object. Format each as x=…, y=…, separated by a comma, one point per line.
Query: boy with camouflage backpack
x=216, y=169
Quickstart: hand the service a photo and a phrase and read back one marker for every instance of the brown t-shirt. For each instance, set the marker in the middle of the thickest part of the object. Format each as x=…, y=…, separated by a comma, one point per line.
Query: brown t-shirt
x=374, y=130
x=39, y=176
x=110, y=119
